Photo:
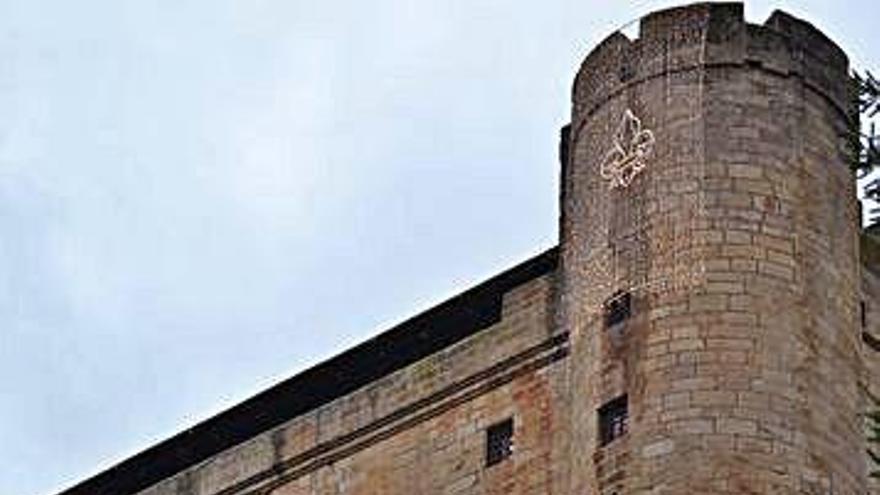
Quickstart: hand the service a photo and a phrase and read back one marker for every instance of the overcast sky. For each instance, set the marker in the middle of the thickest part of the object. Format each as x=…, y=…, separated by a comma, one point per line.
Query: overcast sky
x=200, y=198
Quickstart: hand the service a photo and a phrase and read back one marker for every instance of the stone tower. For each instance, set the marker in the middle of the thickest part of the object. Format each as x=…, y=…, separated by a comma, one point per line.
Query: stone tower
x=703, y=326
x=709, y=261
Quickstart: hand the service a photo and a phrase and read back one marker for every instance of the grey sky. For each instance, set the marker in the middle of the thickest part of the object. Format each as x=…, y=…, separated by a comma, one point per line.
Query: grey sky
x=200, y=198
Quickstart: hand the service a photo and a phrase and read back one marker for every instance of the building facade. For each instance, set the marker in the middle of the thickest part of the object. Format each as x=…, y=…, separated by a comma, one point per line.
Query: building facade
x=707, y=324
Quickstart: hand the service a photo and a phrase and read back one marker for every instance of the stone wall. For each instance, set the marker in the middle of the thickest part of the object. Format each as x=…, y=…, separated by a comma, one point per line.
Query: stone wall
x=703, y=176
x=421, y=429
x=871, y=328
x=738, y=243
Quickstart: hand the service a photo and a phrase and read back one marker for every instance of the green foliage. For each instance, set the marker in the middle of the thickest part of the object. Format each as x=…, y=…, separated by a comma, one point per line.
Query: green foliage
x=862, y=140
x=869, y=94
x=874, y=438
x=865, y=147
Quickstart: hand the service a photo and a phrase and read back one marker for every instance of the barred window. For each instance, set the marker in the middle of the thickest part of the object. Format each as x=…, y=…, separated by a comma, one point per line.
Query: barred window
x=617, y=308
x=613, y=420
x=499, y=442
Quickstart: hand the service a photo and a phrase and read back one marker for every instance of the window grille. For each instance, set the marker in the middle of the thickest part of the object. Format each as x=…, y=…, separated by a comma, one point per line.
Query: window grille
x=613, y=420
x=499, y=442
x=618, y=308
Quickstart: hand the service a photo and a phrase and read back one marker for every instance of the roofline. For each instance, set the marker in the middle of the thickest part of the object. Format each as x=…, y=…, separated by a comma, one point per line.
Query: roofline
x=418, y=337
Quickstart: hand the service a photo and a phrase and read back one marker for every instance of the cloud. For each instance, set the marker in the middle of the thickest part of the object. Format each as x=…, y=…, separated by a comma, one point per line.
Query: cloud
x=200, y=197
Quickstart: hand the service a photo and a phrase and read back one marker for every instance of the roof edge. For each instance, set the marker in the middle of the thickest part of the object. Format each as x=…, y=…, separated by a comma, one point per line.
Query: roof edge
x=416, y=338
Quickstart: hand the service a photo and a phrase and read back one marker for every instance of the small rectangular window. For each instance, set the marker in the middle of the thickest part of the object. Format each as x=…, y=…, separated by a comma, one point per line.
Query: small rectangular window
x=863, y=311
x=499, y=442
x=613, y=420
x=617, y=308
x=626, y=73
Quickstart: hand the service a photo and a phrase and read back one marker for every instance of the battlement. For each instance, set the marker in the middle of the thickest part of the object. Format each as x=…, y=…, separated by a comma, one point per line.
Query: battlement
x=704, y=326
x=722, y=238
x=706, y=35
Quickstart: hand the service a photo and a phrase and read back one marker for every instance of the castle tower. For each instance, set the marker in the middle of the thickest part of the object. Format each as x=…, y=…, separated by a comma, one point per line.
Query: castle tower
x=709, y=261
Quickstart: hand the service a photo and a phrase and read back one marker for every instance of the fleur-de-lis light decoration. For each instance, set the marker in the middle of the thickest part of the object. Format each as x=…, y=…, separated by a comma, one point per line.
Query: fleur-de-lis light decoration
x=631, y=146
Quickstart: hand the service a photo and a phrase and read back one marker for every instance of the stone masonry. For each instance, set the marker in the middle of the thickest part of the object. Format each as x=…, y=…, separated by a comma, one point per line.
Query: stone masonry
x=743, y=361
x=363, y=444
x=710, y=278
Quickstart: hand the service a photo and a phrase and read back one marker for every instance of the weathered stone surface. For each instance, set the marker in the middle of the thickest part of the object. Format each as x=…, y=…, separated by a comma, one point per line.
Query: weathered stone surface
x=753, y=332
x=420, y=429
x=756, y=379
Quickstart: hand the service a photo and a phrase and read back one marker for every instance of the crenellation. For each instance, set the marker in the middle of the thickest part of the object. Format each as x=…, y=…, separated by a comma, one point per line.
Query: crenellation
x=675, y=42
x=604, y=62
x=744, y=89
x=708, y=324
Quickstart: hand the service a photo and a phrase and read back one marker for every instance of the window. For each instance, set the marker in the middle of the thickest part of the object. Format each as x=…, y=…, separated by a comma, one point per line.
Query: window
x=626, y=73
x=613, y=420
x=617, y=308
x=499, y=442
x=863, y=313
